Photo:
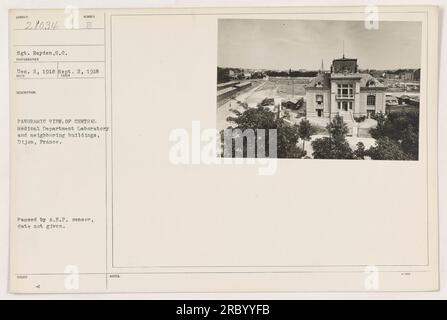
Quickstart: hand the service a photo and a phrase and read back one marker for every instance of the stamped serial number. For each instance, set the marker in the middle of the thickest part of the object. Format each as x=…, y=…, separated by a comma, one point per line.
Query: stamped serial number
x=41, y=25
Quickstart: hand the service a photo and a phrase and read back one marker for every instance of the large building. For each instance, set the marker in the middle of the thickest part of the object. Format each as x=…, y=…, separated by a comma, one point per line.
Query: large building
x=344, y=91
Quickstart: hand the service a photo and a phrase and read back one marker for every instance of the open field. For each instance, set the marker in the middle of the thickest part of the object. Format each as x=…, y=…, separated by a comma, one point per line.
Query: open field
x=288, y=89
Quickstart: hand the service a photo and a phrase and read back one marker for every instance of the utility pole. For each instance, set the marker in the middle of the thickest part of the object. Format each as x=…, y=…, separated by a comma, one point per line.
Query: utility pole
x=293, y=89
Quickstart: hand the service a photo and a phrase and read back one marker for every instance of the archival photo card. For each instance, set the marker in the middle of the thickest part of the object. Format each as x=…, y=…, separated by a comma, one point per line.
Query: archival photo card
x=168, y=150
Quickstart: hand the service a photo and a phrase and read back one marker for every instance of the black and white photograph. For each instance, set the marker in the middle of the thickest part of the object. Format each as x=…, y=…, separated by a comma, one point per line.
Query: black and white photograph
x=331, y=89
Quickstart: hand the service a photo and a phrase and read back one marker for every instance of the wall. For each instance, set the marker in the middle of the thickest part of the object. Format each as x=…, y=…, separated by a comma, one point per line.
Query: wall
x=311, y=103
x=380, y=100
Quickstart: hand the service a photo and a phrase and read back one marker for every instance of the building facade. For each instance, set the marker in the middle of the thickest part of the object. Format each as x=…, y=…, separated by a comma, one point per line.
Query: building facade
x=344, y=91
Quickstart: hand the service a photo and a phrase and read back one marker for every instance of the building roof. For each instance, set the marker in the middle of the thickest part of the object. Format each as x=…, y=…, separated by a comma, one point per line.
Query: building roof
x=321, y=81
x=368, y=81
x=226, y=84
x=223, y=91
x=242, y=84
x=345, y=59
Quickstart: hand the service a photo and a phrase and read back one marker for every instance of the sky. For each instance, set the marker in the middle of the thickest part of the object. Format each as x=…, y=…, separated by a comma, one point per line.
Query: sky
x=301, y=44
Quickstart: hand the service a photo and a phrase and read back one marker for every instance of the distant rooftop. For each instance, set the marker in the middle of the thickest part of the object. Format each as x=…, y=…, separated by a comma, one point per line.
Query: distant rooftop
x=220, y=92
x=226, y=84
x=242, y=83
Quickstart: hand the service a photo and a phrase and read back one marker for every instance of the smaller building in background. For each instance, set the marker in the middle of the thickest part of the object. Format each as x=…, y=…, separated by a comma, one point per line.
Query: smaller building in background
x=229, y=90
x=391, y=100
x=404, y=74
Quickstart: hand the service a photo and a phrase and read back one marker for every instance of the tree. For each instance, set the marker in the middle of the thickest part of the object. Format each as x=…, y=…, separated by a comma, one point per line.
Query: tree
x=360, y=152
x=335, y=146
x=262, y=118
x=287, y=143
x=386, y=149
x=222, y=75
x=328, y=148
x=337, y=128
x=402, y=128
x=410, y=142
x=304, y=130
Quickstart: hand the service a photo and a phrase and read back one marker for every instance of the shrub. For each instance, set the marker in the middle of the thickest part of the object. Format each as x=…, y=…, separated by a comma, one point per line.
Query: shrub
x=360, y=119
x=267, y=102
x=386, y=149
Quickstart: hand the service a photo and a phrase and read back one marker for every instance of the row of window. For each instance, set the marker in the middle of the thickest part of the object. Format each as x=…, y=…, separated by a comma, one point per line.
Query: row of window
x=370, y=113
x=370, y=100
x=345, y=89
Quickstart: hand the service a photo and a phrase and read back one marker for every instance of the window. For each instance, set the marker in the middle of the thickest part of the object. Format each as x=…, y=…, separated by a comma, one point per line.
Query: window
x=344, y=105
x=371, y=100
x=319, y=112
x=345, y=90
x=319, y=99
